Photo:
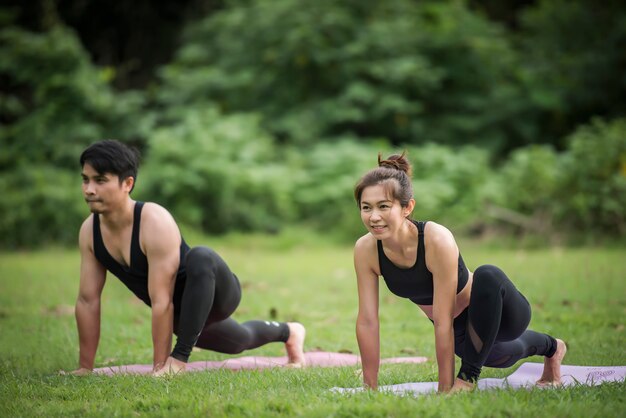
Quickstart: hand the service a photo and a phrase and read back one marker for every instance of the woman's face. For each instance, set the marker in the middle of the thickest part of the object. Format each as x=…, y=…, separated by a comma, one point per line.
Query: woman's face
x=381, y=214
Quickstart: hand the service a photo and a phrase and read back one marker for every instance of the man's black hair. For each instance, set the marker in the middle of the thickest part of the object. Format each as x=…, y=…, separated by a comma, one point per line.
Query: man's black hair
x=112, y=156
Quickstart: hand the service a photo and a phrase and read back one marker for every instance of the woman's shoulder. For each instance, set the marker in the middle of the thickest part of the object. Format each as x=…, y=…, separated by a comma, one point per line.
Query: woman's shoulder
x=438, y=235
x=366, y=255
x=365, y=244
x=366, y=240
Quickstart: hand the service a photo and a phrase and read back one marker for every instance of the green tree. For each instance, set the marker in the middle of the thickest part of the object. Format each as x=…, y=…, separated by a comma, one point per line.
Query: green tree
x=411, y=72
x=575, y=62
x=53, y=103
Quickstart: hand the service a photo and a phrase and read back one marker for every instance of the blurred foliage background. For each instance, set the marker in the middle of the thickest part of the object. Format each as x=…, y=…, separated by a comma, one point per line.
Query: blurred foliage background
x=254, y=115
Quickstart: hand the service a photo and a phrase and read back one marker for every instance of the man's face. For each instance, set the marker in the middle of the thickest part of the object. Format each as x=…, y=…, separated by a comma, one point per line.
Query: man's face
x=103, y=191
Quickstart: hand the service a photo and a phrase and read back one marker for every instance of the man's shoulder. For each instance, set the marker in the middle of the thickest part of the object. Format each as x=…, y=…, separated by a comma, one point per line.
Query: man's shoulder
x=154, y=209
x=85, y=235
x=87, y=225
x=153, y=212
x=159, y=235
x=155, y=218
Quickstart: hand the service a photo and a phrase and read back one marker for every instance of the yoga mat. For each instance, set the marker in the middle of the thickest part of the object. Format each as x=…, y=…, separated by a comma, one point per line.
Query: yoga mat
x=313, y=359
x=524, y=377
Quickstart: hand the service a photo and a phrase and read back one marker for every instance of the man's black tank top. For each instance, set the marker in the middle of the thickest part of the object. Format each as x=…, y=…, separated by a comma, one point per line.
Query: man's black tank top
x=135, y=276
x=416, y=282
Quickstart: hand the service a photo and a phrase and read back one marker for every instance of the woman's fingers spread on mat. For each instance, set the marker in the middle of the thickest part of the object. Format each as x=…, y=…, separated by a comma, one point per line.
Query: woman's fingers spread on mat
x=461, y=385
x=171, y=367
x=548, y=384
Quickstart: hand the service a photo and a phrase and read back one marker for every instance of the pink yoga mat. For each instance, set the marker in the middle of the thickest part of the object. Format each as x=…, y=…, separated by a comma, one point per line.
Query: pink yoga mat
x=524, y=377
x=313, y=359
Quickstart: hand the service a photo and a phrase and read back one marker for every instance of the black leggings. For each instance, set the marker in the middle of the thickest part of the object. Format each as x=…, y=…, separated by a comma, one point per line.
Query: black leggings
x=492, y=330
x=212, y=293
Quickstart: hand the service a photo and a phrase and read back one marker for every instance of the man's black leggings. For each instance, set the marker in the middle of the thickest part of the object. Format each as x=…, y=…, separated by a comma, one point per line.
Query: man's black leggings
x=212, y=293
x=492, y=330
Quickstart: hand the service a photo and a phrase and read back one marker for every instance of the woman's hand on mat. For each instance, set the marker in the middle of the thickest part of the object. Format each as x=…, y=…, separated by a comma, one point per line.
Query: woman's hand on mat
x=78, y=372
x=368, y=383
x=461, y=385
x=171, y=366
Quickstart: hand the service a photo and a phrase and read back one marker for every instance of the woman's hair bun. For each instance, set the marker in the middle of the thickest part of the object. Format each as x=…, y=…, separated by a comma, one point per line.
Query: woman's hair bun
x=395, y=161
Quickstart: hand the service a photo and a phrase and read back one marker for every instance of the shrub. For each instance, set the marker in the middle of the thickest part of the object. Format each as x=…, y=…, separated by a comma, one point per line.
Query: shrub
x=40, y=205
x=525, y=190
x=324, y=179
x=447, y=183
x=217, y=172
x=592, y=186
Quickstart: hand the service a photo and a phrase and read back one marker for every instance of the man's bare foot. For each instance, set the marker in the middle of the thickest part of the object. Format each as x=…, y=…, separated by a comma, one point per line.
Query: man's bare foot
x=171, y=367
x=461, y=385
x=552, y=366
x=295, y=344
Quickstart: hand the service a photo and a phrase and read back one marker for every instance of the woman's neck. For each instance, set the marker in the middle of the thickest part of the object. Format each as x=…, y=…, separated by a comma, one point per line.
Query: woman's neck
x=404, y=240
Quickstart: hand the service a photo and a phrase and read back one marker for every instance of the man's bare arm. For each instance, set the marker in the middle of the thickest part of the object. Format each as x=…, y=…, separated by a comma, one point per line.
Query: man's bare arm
x=92, y=279
x=161, y=243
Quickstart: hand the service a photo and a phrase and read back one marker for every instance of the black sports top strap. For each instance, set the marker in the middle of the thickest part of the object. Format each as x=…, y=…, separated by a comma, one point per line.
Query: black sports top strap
x=138, y=260
x=135, y=276
x=421, y=251
x=415, y=282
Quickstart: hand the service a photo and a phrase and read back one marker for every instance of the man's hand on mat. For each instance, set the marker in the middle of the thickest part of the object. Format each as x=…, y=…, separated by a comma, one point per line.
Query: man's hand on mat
x=552, y=366
x=78, y=372
x=171, y=367
x=295, y=344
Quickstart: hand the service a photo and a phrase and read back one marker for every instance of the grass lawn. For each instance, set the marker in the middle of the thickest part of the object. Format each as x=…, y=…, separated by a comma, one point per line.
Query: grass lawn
x=578, y=295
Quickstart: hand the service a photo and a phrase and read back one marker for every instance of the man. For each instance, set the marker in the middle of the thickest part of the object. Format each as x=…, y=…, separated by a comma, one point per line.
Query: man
x=192, y=292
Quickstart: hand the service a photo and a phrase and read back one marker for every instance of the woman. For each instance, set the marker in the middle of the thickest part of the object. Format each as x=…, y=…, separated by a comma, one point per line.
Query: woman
x=480, y=316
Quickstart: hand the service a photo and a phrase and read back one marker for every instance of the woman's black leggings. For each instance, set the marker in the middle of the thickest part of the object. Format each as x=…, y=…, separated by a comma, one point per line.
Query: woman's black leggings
x=492, y=330
x=212, y=293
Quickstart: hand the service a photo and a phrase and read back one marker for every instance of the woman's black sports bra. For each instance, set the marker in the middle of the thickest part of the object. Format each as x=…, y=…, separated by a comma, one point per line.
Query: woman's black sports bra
x=415, y=283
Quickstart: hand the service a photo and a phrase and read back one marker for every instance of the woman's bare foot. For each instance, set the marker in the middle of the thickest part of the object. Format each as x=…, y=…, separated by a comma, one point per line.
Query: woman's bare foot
x=461, y=385
x=171, y=367
x=295, y=344
x=552, y=366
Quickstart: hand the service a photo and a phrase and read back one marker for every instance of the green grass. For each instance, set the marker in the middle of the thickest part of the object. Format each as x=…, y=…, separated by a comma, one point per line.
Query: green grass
x=577, y=294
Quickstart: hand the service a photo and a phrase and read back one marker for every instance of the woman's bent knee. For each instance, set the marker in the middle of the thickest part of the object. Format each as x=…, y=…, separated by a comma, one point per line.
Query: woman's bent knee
x=488, y=276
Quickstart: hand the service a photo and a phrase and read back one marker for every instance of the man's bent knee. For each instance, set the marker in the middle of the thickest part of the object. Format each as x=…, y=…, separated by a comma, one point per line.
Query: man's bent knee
x=199, y=260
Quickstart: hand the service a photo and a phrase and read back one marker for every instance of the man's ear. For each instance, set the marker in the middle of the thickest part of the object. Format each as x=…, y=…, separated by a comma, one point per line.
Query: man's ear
x=128, y=183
